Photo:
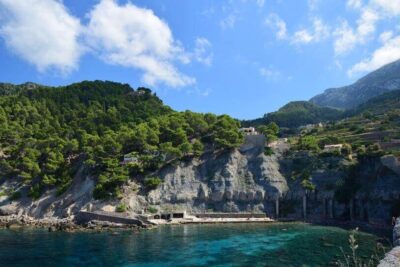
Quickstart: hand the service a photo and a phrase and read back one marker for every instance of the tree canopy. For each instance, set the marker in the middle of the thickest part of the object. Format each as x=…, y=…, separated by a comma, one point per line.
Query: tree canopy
x=48, y=134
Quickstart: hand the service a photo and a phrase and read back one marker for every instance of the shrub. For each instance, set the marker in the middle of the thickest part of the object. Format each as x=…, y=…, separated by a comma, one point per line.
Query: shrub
x=346, y=150
x=152, y=182
x=360, y=131
x=122, y=207
x=308, y=185
x=268, y=151
x=373, y=150
x=15, y=195
x=308, y=143
x=35, y=192
x=353, y=259
x=152, y=210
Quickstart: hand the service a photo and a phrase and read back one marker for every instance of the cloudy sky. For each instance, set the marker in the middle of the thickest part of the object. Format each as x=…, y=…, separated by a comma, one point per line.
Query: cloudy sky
x=240, y=57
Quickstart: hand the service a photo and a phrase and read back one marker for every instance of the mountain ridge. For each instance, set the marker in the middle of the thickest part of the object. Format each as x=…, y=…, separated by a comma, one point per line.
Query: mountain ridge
x=384, y=79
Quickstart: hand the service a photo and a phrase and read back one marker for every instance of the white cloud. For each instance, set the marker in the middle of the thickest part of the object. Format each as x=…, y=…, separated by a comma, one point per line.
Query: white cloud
x=202, y=52
x=313, y=4
x=278, y=25
x=228, y=22
x=302, y=36
x=389, y=52
x=130, y=36
x=270, y=73
x=260, y=3
x=385, y=36
x=318, y=32
x=347, y=38
x=391, y=7
x=356, y=4
x=199, y=92
x=367, y=23
x=41, y=32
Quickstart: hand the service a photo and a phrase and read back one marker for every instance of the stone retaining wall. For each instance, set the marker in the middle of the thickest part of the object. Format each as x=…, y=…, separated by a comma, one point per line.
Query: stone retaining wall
x=230, y=215
x=85, y=217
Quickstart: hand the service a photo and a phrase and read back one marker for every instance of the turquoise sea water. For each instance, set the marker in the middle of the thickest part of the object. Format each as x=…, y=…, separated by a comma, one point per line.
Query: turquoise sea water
x=185, y=245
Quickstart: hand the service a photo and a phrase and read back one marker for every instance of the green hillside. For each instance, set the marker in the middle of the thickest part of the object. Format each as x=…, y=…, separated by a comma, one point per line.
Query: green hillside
x=48, y=134
x=298, y=113
x=376, y=122
x=379, y=105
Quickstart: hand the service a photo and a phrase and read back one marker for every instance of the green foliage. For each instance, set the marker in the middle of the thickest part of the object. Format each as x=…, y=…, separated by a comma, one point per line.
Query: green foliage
x=387, y=103
x=308, y=185
x=49, y=133
x=152, y=209
x=372, y=150
x=354, y=260
x=152, y=182
x=11, y=194
x=35, y=192
x=270, y=131
x=225, y=132
x=308, y=143
x=346, y=150
x=298, y=113
x=122, y=207
x=268, y=151
x=198, y=148
x=15, y=195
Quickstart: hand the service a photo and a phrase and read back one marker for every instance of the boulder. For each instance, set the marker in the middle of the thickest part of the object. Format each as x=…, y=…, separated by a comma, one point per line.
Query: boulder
x=8, y=210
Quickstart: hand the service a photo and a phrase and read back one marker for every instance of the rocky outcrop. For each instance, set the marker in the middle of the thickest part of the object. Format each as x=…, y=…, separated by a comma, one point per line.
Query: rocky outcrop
x=383, y=80
x=242, y=180
x=229, y=182
x=392, y=258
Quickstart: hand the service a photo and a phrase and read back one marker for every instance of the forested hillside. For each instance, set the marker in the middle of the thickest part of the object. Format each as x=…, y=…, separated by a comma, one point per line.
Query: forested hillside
x=298, y=113
x=48, y=134
x=388, y=102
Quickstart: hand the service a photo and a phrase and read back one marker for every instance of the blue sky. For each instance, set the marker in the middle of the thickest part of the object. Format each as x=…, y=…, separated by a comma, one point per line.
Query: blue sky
x=239, y=57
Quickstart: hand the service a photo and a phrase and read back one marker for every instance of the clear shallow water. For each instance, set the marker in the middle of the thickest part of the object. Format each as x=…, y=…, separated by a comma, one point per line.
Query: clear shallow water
x=187, y=245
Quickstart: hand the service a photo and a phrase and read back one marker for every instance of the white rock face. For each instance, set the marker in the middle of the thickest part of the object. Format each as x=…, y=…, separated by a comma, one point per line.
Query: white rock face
x=232, y=181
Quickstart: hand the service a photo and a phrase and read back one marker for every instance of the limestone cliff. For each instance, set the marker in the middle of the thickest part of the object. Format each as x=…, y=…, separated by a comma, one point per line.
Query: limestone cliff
x=241, y=180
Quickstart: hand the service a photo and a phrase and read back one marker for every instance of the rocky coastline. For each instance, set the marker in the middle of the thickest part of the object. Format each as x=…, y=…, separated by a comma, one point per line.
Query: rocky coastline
x=64, y=225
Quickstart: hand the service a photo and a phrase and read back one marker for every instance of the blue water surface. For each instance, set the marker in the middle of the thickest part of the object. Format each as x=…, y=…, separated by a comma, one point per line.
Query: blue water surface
x=291, y=244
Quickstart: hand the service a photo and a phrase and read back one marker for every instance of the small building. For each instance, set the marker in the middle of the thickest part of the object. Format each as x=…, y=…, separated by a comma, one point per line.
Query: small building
x=130, y=158
x=333, y=147
x=249, y=131
x=310, y=127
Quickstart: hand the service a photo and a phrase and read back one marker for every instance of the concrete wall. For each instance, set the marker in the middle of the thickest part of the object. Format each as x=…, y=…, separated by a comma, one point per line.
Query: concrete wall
x=253, y=141
x=230, y=215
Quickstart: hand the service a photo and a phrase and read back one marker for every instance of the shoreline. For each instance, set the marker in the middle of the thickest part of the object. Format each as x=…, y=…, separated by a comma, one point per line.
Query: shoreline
x=61, y=225
x=70, y=225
